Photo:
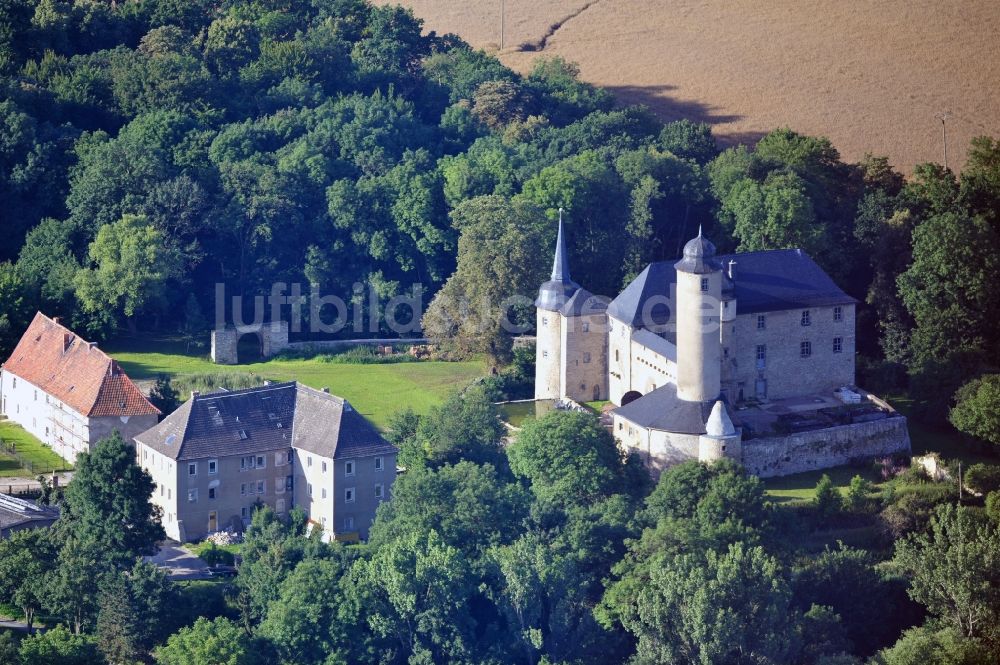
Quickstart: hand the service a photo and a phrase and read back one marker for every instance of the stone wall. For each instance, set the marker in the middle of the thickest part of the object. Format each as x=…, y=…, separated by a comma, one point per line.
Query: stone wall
x=584, y=357
x=787, y=373
x=825, y=448
x=225, y=341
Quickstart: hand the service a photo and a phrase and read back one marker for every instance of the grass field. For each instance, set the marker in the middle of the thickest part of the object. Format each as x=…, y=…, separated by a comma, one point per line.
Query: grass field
x=869, y=75
x=377, y=391
x=41, y=457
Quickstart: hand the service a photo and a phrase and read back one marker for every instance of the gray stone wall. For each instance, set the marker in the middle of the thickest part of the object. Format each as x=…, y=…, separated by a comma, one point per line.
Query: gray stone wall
x=822, y=449
x=225, y=341
x=584, y=361
x=787, y=373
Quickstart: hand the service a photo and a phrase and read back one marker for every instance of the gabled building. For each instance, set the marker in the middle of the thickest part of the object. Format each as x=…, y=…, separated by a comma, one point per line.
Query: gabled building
x=67, y=392
x=222, y=454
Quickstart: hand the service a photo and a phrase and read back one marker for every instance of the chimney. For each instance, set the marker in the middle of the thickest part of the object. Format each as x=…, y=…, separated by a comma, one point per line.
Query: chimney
x=326, y=389
x=195, y=393
x=67, y=340
x=92, y=345
x=55, y=320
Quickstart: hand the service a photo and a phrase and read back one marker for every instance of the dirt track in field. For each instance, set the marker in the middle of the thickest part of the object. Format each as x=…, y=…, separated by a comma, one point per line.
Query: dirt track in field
x=869, y=75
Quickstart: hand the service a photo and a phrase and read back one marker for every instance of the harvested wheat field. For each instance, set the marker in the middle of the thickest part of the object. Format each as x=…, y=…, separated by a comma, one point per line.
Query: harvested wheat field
x=871, y=76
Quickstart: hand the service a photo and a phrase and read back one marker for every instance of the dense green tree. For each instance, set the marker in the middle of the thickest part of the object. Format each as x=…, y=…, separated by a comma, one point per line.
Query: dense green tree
x=163, y=395
x=303, y=623
x=107, y=504
x=926, y=646
x=58, y=646
x=467, y=505
x=209, y=642
x=712, y=608
x=134, y=611
x=487, y=300
x=131, y=269
x=827, y=498
x=25, y=559
x=953, y=571
x=568, y=458
x=689, y=140
x=976, y=409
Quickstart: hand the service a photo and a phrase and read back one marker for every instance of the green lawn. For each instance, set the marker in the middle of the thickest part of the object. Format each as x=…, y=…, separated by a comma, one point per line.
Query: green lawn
x=42, y=458
x=377, y=391
x=801, y=486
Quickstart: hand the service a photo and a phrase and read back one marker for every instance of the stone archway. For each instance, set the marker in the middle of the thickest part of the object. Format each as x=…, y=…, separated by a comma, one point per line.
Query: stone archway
x=630, y=397
x=249, y=348
x=271, y=338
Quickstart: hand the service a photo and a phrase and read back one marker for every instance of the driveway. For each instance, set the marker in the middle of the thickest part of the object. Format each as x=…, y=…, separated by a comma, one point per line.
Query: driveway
x=179, y=563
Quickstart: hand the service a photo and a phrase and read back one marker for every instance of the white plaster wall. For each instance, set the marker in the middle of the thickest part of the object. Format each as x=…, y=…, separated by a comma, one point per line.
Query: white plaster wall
x=699, y=351
x=619, y=359
x=650, y=370
x=548, y=354
x=164, y=473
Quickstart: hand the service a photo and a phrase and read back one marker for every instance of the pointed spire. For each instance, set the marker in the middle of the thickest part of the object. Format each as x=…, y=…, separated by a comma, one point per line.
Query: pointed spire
x=560, y=265
x=699, y=230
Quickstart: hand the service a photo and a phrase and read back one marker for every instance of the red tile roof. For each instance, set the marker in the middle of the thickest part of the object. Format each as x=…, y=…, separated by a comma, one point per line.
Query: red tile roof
x=67, y=367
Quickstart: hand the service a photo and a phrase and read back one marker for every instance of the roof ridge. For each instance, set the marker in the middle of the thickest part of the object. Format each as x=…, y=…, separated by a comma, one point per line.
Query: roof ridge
x=242, y=391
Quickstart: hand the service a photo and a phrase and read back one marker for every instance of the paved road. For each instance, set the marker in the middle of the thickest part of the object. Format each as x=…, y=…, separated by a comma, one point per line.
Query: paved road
x=180, y=564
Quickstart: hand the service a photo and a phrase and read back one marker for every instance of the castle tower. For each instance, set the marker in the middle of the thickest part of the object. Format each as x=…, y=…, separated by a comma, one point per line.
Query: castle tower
x=720, y=439
x=552, y=295
x=699, y=350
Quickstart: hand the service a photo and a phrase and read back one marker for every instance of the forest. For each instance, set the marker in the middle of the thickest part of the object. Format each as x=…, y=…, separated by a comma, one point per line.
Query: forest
x=151, y=149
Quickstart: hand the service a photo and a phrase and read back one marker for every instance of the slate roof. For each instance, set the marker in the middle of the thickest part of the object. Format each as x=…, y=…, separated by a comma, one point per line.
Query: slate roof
x=765, y=281
x=15, y=512
x=265, y=418
x=584, y=302
x=554, y=293
x=53, y=358
x=663, y=410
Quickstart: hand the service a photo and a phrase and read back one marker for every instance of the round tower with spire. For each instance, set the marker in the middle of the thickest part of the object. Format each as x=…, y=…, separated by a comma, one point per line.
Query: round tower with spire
x=552, y=295
x=699, y=350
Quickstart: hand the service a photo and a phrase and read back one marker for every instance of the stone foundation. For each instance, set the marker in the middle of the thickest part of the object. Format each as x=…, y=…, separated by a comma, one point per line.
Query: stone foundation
x=825, y=448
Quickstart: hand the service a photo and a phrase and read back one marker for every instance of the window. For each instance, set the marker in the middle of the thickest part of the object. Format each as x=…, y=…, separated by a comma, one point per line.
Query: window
x=247, y=462
x=324, y=467
x=761, y=322
x=323, y=493
x=545, y=354
x=309, y=460
x=545, y=320
x=586, y=327
x=586, y=357
x=761, y=355
x=616, y=355
x=838, y=313
x=211, y=492
x=348, y=524
x=838, y=344
x=309, y=489
x=261, y=487
x=213, y=466
x=193, y=496
x=244, y=512
x=349, y=468
x=806, y=320
x=243, y=489
x=261, y=462
x=349, y=495
x=192, y=468
x=805, y=349
x=378, y=463
x=290, y=453
x=161, y=489
x=279, y=459
x=378, y=491
x=704, y=284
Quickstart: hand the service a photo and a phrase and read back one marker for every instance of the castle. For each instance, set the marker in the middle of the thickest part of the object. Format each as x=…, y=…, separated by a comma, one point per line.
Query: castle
x=690, y=350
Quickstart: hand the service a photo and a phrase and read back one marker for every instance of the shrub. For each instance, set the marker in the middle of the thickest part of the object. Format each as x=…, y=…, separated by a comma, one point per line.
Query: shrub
x=993, y=506
x=857, y=499
x=827, y=500
x=983, y=478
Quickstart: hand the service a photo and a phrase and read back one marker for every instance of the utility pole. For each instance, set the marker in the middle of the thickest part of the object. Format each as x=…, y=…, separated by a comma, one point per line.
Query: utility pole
x=502, y=2
x=943, y=117
x=960, y=482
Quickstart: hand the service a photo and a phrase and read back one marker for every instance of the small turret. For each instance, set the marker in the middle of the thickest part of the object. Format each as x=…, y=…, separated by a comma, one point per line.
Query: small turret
x=721, y=439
